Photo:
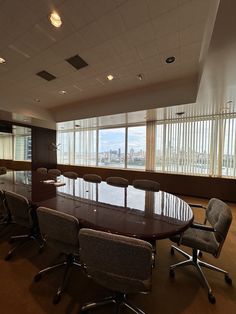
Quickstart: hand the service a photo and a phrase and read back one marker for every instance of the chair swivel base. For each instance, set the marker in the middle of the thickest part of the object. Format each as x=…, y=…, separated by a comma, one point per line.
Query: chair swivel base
x=119, y=299
x=193, y=260
x=67, y=263
x=23, y=239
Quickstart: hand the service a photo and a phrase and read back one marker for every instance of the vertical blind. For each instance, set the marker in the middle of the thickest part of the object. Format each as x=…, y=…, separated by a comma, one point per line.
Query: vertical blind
x=196, y=146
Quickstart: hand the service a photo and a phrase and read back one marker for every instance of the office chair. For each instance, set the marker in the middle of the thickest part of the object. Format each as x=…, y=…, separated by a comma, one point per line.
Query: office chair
x=61, y=232
x=42, y=170
x=210, y=239
x=90, y=177
x=3, y=170
x=70, y=175
x=117, y=181
x=5, y=215
x=54, y=172
x=119, y=263
x=22, y=214
x=146, y=185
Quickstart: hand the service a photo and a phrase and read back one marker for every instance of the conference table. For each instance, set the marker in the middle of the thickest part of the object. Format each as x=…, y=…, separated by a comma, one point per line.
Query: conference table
x=127, y=211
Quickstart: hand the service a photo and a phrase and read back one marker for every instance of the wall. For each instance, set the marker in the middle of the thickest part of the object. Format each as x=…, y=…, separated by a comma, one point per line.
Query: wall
x=43, y=153
x=198, y=186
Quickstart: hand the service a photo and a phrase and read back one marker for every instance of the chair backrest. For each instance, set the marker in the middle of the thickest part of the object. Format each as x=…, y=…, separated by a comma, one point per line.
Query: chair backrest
x=3, y=170
x=19, y=207
x=147, y=185
x=117, y=181
x=42, y=170
x=117, y=262
x=55, y=172
x=219, y=215
x=2, y=207
x=90, y=177
x=61, y=229
x=70, y=175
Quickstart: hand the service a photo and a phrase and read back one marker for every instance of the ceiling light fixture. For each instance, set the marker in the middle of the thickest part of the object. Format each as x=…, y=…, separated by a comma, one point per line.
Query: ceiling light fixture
x=2, y=60
x=62, y=92
x=55, y=19
x=140, y=76
x=110, y=77
x=170, y=59
x=37, y=99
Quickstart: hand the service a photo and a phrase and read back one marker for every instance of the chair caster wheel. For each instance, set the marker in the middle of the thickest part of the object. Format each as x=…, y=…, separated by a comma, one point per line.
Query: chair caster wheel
x=228, y=280
x=172, y=251
x=56, y=299
x=211, y=298
x=8, y=257
x=37, y=277
x=172, y=273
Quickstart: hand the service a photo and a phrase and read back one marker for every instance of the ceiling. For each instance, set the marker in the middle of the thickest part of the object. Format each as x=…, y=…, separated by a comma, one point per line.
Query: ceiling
x=124, y=38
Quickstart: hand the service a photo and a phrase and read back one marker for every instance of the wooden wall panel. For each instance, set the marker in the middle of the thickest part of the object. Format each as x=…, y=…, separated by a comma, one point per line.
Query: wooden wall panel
x=43, y=153
x=198, y=186
x=15, y=164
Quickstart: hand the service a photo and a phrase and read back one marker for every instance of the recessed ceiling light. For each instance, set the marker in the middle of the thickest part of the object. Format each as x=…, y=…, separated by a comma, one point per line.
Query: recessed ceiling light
x=37, y=99
x=2, y=60
x=55, y=19
x=62, y=92
x=110, y=77
x=140, y=76
x=170, y=59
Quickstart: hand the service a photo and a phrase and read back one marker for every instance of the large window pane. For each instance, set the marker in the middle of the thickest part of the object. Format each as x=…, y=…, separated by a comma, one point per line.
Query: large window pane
x=22, y=143
x=85, y=148
x=184, y=147
x=5, y=146
x=112, y=147
x=136, y=154
x=229, y=149
x=65, y=151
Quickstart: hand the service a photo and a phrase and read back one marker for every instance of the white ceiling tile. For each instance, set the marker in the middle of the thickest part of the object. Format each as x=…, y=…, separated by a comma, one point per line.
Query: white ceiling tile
x=158, y=7
x=141, y=34
x=111, y=24
x=134, y=13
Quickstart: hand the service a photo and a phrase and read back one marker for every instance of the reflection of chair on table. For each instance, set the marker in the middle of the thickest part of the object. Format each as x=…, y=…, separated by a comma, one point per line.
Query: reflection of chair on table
x=61, y=232
x=121, y=264
x=205, y=238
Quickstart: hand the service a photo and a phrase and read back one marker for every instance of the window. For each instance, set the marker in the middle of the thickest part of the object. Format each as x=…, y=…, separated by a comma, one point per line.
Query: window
x=111, y=151
x=85, y=147
x=229, y=148
x=5, y=146
x=136, y=152
x=184, y=147
x=65, y=152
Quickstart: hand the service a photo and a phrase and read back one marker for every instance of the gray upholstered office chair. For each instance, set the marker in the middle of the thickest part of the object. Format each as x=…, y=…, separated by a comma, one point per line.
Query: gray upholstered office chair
x=119, y=263
x=54, y=172
x=22, y=214
x=117, y=181
x=42, y=170
x=206, y=238
x=61, y=232
x=70, y=175
x=90, y=177
x=146, y=185
x=3, y=170
x=5, y=215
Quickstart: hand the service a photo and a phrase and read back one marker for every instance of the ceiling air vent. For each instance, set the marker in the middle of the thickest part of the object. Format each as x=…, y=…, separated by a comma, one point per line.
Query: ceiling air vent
x=46, y=75
x=77, y=62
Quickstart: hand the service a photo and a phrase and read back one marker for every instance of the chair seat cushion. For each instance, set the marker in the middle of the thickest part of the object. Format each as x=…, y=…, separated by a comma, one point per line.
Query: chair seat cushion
x=198, y=239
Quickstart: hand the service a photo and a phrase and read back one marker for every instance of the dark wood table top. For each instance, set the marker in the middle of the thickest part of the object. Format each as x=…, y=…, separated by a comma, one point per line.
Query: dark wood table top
x=127, y=211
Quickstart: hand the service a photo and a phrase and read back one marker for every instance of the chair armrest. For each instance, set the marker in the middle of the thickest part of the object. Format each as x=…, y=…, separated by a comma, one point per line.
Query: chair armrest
x=202, y=227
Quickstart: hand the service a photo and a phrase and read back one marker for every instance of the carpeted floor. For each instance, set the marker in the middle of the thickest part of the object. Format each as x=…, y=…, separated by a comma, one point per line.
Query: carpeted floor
x=183, y=294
